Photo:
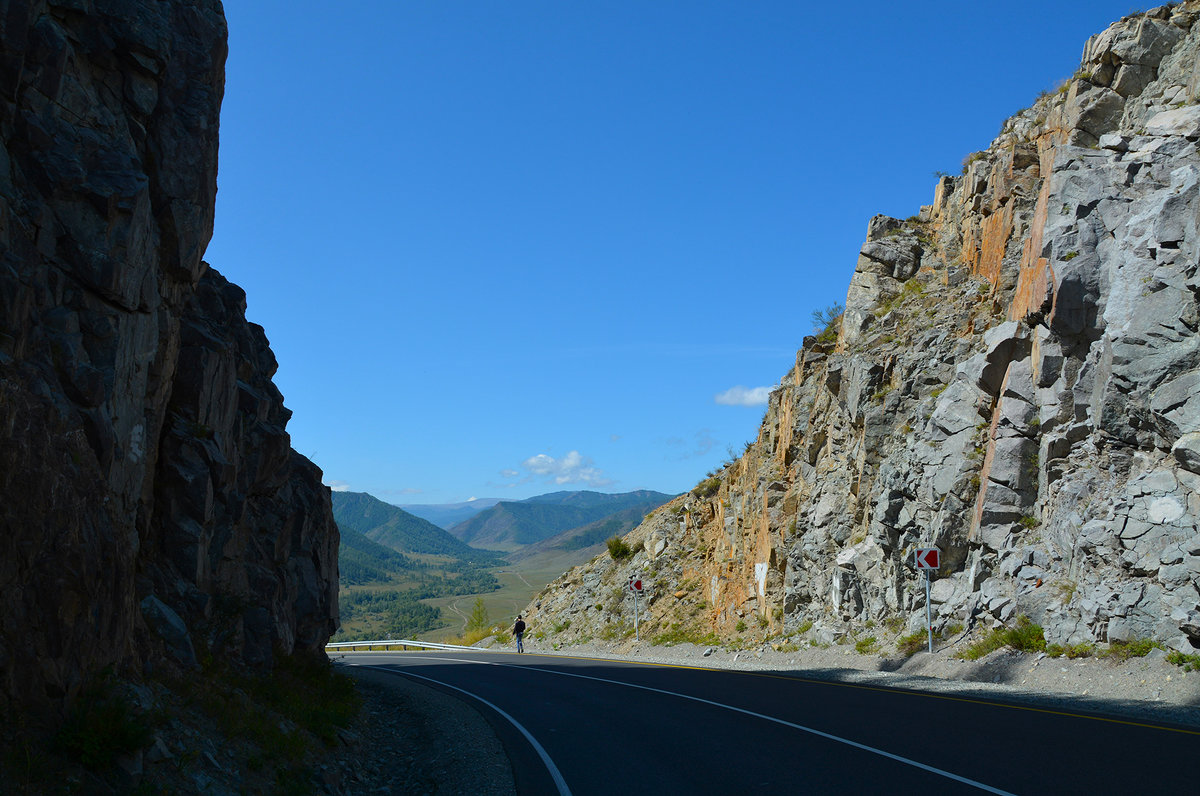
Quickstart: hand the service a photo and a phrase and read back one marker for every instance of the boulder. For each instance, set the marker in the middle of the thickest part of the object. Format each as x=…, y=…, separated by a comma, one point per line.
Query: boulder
x=1186, y=451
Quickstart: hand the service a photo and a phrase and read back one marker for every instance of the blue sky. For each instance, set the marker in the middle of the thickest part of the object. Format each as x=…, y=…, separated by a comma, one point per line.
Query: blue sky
x=502, y=249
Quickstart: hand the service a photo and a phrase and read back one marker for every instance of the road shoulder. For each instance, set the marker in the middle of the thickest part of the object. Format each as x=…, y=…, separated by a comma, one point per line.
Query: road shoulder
x=410, y=738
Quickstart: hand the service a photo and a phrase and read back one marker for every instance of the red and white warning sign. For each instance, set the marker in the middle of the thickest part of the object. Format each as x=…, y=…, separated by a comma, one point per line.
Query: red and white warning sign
x=928, y=558
x=635, y=584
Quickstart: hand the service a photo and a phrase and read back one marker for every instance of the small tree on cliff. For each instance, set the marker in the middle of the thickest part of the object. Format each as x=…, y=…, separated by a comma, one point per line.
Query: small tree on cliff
x=825, y=322
x=822, y=319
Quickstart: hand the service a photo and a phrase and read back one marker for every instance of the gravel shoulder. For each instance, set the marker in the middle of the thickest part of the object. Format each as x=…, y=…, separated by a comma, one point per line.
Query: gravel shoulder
x=413, y=739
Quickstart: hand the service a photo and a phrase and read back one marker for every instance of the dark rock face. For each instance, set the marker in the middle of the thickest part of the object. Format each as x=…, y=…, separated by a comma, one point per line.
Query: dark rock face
x=147, y=484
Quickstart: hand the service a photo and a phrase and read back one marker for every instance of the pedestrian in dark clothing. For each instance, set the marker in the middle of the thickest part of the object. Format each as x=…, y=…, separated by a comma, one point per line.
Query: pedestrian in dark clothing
x=519, y=633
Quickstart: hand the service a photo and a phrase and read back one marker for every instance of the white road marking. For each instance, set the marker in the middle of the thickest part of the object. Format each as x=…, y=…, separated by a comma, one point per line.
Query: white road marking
x=828, y=736
x=555, y=774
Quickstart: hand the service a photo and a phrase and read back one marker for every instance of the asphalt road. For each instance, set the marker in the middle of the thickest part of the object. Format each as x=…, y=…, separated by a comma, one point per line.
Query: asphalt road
x=584, y=726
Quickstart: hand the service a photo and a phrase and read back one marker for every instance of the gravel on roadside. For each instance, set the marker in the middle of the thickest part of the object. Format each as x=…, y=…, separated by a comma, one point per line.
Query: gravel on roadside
x=410, y=738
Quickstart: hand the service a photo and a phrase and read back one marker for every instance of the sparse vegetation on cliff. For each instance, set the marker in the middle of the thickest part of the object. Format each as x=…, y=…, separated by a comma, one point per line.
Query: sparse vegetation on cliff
x=826, y=321
x=708, y=487
x=618, y=549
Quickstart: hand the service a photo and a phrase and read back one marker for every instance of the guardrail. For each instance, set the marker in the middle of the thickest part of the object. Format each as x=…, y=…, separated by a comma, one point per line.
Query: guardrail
x=389, y=644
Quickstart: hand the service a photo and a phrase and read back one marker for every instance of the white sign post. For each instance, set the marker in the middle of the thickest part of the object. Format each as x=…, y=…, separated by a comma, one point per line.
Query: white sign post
x=930, y=560
x=635, y=586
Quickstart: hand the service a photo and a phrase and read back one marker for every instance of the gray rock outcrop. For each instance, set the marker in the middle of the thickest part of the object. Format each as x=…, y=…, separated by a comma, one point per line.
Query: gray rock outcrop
x=1016, y=380
x=153, y=509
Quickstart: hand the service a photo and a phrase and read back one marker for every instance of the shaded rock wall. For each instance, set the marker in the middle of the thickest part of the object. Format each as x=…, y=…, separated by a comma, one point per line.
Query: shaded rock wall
x=1015, y=380
x=152, y=508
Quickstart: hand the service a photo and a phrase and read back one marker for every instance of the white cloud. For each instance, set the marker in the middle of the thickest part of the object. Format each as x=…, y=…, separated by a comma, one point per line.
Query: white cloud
x=574, y=468
x=509, y=473
x=338, y=486
x=743, y=396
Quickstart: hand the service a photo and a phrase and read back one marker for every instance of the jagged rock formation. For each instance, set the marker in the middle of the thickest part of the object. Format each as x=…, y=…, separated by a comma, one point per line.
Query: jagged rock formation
x=1016, y=380
x=153, y=510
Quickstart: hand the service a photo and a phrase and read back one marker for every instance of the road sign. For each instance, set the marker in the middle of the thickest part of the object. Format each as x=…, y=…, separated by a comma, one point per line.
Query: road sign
x=929, y=558
x=635, y=586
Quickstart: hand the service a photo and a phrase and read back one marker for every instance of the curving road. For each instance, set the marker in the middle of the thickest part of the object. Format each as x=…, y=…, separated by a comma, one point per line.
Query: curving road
x=589, y=726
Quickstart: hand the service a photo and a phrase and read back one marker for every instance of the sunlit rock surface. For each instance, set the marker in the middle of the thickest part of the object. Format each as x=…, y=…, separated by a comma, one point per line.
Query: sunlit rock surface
x=1016, y=380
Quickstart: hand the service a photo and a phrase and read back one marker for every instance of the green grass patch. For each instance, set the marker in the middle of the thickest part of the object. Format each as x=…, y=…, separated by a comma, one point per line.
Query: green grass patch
x=866, y=646
x=912, y=643
x=915, y=642
x=614, y=631
x=1124, y=650
x=1072, y=651
x=1190, y=663
x=1026, y=637
x=678, y=634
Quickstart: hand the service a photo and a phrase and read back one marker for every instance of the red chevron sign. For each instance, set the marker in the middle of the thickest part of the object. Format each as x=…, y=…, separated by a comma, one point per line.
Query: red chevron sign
x=929, y=558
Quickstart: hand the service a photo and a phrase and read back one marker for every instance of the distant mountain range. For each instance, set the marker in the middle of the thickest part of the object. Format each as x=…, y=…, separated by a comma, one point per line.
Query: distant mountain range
x=510, y=525
x=395, y=528
x=578, y=544
x=447, y=515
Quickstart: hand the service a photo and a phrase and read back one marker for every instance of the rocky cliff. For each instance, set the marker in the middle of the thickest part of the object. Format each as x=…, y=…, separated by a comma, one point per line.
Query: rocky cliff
x=153, y=511
x=1015, y=379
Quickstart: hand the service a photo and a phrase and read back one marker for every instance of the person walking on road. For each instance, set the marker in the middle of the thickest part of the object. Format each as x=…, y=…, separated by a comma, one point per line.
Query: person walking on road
x=519, y=633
